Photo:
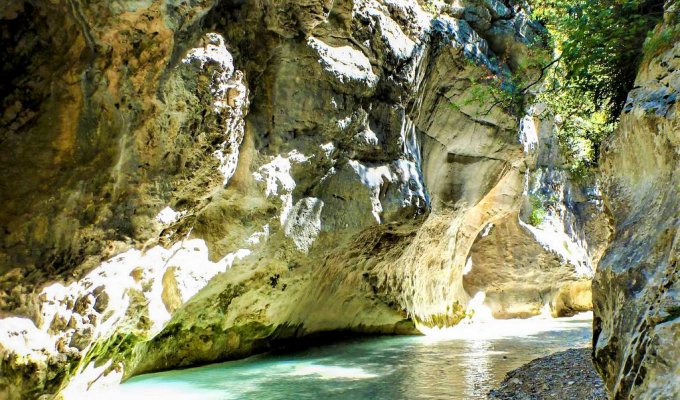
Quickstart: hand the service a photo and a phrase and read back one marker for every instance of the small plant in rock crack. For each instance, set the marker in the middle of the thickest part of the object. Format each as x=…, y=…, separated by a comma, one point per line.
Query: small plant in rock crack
x=538, y=211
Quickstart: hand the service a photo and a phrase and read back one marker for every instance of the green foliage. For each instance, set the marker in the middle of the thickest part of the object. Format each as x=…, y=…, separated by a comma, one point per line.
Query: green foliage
x=600, y=47
x=601, y=43
x=662, y=38
x=581, y=127
x=507, y=91
x=538, y=210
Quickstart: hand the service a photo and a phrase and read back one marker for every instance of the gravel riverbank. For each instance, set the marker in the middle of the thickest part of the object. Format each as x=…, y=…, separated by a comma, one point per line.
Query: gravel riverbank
x=565, y=375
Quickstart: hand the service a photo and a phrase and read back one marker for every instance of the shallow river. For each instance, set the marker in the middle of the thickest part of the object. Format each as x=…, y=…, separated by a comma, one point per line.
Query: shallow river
x=461, y=363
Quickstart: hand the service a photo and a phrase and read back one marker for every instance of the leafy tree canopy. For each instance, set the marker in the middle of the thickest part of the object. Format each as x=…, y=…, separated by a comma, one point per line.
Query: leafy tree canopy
x=598, y=47
x=600, y=43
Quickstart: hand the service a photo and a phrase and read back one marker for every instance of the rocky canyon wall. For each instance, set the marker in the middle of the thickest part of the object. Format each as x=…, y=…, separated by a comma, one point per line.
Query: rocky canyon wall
x=193, y=181
x=542, y=257
x=637, y=286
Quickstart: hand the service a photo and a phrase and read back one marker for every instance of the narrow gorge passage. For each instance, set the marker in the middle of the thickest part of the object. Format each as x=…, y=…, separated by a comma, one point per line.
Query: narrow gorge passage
x=482, y=195
x=465, y=364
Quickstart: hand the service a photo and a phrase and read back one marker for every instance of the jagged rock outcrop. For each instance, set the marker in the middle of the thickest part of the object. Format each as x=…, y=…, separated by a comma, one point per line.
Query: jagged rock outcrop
x=637, y=287
x=227, y=175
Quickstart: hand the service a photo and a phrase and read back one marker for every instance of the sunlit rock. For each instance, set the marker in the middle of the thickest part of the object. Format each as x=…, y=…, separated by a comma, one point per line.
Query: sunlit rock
x=544, y=256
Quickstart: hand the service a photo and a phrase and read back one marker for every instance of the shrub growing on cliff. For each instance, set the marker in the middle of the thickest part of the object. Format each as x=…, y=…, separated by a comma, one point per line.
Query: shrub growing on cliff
x=663, y=37
x=600, y=43
x=600, y=47
x=538, y=211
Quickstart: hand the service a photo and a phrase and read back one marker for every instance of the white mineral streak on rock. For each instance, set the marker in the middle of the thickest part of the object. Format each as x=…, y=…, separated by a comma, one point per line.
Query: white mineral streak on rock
x=468, y=266
x=394, y=38
x=328, y=148
x=367, y=137
x=528, y=134
x=344, y=123
x=229, y=96
x=304, y=222
x=487, y=230
x=114, y=280
x=25, y=339
x=213, y=52
x=417, y=17
x=373, y=178
x=551, y=235
x=168, y=216
x=402, y=172
x=142, y=271
x=94, y=382
x=276, y=176
x=259, y=237
x=346, y=63
x=408, y=173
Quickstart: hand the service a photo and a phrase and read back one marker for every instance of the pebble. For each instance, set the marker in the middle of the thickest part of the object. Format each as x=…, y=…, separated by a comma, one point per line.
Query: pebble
x=565, y=375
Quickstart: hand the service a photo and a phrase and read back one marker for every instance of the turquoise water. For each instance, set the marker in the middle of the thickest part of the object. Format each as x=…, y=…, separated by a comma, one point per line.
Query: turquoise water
x=462, y=363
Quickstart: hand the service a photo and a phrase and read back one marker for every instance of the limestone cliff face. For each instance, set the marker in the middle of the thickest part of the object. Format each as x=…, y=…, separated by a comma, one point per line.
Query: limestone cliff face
x=112, y=113
x=637, y=330
x=541, y=258
x=378, y=185
x=108, y=120
x=201, y=180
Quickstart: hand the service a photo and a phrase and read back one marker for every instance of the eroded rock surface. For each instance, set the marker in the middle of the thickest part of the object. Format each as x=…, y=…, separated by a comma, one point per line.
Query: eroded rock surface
x=109, y=132
x=637, y=287
x=378, y=190
x=219, y=176
x=541, y=259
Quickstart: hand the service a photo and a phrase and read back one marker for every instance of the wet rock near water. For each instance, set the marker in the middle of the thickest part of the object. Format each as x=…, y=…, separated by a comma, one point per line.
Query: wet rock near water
x=565, y=375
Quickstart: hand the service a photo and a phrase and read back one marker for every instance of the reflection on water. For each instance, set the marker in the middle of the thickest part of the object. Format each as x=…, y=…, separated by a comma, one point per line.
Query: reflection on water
x=463, y=363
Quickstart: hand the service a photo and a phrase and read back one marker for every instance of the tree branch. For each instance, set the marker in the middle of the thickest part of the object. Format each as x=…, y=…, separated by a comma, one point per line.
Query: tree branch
x=540, y=77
